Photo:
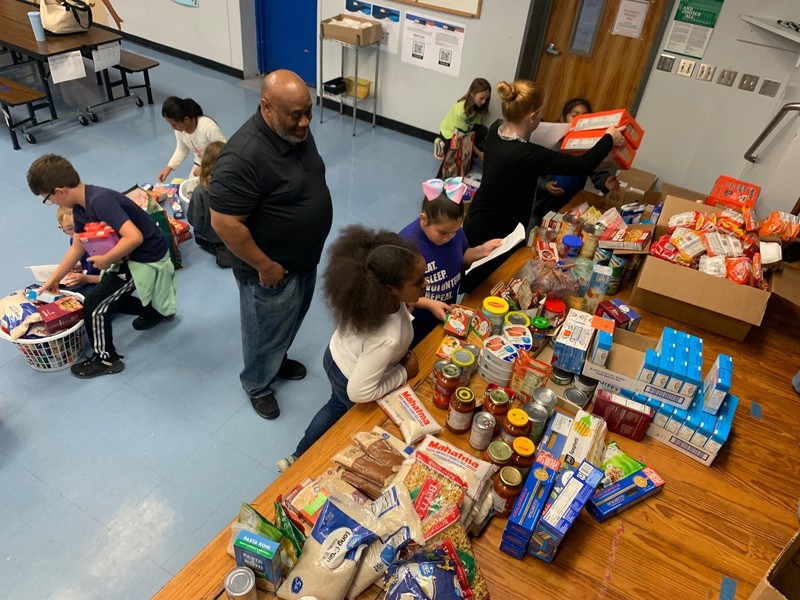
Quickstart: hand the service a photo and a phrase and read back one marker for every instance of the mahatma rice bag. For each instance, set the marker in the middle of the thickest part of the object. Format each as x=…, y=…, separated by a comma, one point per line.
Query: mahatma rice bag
x=407, y=412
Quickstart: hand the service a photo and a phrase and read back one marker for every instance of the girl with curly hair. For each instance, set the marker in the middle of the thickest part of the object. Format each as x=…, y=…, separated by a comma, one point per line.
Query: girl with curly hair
x=371, y=278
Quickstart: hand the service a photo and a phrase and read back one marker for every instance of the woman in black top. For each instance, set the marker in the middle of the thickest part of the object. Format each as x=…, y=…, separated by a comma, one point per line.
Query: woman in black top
x=512, y=166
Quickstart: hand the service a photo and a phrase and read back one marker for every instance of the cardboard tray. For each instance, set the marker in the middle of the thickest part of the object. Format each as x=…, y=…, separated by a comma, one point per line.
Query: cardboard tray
x=782, y=580
x=707, y=302
x=355, y=37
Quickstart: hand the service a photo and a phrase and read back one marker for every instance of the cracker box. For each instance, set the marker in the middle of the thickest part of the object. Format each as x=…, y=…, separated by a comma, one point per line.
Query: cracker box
x=623, y=494
x=61, y=314
x=98, y=238
x=623, y=416
x=578, y=142
x=263, y=556
x=561, y=513
x=733, y=193
x=531, y=501
x=620, y=117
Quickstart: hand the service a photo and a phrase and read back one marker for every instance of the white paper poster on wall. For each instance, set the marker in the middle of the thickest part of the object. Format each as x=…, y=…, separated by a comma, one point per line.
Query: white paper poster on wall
x=67, y=66
x=432, y=44
x=106, y=56
x=389, y=18
x=630, y=18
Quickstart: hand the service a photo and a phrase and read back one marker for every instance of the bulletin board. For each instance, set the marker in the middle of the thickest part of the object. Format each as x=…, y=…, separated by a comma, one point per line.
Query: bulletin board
x=464, y=8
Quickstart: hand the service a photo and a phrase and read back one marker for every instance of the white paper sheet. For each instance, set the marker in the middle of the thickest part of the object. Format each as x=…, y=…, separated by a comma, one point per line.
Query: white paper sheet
x=509, y=242
x=630, y=18
x=549, y=134
x=106, y=56
x=432, y=44
x=67, y=66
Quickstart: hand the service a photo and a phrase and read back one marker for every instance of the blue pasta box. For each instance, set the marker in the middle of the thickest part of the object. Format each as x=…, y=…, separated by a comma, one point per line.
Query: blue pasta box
x=512, y=550
x=533, y=497
x=555, y=436
x=623, y=494
x=263, y=556
x=561, y=513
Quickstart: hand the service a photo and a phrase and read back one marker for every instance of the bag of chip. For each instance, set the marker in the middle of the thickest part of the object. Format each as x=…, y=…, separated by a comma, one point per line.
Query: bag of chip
x=739, y=270
x=712, y=265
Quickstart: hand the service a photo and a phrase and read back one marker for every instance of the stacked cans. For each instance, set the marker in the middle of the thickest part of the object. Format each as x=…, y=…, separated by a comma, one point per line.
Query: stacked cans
x=496, y=360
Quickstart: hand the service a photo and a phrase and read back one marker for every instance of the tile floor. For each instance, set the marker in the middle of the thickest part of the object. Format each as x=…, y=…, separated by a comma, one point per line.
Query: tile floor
x=109, y=486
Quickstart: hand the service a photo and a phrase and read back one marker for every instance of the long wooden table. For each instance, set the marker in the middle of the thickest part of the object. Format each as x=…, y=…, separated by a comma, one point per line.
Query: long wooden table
x=729, y=520
x=16, y=35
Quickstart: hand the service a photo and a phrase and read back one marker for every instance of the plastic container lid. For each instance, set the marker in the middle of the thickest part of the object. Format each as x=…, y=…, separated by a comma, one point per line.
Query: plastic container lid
x=572, y=241
x=510, y=476
x=517, y=417
x=523, y=446
x=517, y=318
x=554, y=305
x=495, y=305
x=541, y=322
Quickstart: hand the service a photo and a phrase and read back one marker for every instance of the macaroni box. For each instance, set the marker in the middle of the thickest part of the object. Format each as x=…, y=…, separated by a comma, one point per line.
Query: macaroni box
x=263, y=556
x=61, y=314
x=623, y=494
x=533, y=497
x=561, y=513
x=633, y=132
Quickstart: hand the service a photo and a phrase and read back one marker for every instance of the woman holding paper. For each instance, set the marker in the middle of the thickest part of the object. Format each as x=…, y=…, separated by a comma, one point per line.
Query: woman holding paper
x=512, y=167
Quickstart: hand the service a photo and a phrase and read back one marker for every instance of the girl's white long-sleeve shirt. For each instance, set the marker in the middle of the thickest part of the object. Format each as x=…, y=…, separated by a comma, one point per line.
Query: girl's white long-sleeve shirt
x=370, y=362
x=207, y=131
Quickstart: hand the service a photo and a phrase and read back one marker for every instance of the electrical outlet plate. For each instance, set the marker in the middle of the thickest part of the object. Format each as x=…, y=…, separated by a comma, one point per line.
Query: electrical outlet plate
x=769, y=87
x=727, y=77
x=748, y=82
x=706, y=72
x=686, y=67
x=665, y=63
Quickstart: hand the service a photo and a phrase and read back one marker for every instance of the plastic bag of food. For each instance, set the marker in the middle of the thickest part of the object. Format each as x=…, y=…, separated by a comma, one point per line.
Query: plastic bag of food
x=407, y=412
x=17, y=314
x=423, y=576
x=395, y=512
x=688, y=219
x=712, y=265
x=758, y=273
x=331, y=553
x=353, y=459
x=689, y=244
x=781, y=224
x=379, y=448
x=739, y=270
x=436, y=491
x=617, y=465
x=456, y=535
x=731, y=220
x=405, y=449
x=293, y=539
x=551, y=279
x=720, y=244
x=251, y=520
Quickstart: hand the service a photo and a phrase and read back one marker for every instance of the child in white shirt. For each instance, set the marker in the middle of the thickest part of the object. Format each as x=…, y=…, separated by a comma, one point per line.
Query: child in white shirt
x=193, y=133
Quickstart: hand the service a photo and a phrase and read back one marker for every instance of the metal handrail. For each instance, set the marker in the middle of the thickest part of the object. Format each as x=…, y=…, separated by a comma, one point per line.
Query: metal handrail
x=792, y=106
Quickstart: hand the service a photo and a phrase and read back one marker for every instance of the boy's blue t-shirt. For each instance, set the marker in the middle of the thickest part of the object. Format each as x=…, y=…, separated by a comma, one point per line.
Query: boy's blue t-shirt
x=86, y=266
x=103, y=204
x=442, y=270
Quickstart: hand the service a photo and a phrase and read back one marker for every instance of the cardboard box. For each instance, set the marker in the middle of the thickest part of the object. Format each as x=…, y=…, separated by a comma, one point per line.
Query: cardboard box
x=578, y=142
x=61, y=314
x=624, y=365
x=333, y=30
x=681, y=192
x=263, y=556
x=702, y=300
x=617, y=200
x=533, y=497
x=629, y=418
x=637, y=181
x=701, y=455
x=620, y=117
x=782, y=580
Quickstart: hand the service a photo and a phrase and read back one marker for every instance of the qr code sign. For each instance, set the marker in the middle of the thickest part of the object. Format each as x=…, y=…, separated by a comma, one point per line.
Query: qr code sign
x=445, y=57
x=418, y=50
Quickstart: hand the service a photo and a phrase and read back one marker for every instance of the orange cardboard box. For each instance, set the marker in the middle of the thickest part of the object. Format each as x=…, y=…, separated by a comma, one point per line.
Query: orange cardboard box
x=733, y=193
x=578, y=142
x=611, y=118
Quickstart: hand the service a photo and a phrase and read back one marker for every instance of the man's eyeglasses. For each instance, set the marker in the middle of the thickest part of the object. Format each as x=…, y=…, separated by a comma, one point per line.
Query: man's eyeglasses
x=47, y=198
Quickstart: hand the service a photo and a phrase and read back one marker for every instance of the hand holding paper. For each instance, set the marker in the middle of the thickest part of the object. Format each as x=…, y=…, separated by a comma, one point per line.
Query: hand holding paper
x=509, y=242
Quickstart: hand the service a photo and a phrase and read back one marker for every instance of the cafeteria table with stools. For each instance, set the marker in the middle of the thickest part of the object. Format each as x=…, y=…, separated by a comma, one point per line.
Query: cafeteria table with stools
x=710, y=524
x=16, y=35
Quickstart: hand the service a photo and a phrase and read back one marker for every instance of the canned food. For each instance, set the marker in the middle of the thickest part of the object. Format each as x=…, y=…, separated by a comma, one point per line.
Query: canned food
x=545, y=244
x=561, y=377
x=591, y=236
x=439, y=365
x=570, y=246
x=240, y=584
x=465, y=361
x=546, y=398
x=482, y=430
x=570, y=225
x=538, y=415
x=585, y=384
x=576, y=396
x=602, y=256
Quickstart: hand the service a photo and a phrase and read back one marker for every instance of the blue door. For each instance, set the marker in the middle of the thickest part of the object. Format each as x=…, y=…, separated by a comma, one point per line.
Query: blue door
x=287, y=37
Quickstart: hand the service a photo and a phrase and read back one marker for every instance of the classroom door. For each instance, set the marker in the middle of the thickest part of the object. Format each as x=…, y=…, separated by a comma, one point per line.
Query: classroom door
x=287, y=37
x=608, y=72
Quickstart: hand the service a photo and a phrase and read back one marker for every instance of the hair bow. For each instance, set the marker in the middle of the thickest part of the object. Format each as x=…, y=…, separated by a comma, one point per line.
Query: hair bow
x=453, y=187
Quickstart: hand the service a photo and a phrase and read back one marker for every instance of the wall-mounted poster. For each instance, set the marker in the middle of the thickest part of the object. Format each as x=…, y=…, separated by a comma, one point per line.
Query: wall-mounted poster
x=692, y=27
x=433, y=44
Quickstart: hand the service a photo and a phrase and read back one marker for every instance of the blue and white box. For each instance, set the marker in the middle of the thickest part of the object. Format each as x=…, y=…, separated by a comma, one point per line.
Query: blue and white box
x=722, y=429
x=649, y=366
x=717, y=383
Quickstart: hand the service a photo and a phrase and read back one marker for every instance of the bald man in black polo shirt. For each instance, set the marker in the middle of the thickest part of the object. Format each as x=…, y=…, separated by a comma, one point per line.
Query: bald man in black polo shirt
x=271, y=206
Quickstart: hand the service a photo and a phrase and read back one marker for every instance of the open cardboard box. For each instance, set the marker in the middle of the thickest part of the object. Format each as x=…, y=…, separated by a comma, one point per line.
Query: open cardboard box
x=333, y=30
x=681, y=192
x=622, y=368
x=782, y=580
x=707, y=302
x=603, y=203
x=637, y=181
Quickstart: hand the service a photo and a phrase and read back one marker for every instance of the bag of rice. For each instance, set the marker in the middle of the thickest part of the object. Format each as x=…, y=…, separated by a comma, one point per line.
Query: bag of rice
x=17, y=314
x=396, y=513
x=332, y=551
x=353, y=459
x=404, y=408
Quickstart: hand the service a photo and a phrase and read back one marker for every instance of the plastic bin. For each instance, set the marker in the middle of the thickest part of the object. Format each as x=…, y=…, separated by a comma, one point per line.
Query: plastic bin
x=185, y=192
x=335, y=86
x=362, y=90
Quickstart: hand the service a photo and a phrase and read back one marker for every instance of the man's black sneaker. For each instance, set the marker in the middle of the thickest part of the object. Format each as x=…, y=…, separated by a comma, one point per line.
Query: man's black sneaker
x=149, y=319
x=96, y=365
x=266, y=406
x=291, y=370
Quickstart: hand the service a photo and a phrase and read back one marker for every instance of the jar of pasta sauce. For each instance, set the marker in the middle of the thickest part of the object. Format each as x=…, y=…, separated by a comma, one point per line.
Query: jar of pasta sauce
x=462, y=407
x=507, y=488
x=516, y=424
x=497, y=403
x=466, y=361
x=499, y=453
x=522, y=455
x=447, y=380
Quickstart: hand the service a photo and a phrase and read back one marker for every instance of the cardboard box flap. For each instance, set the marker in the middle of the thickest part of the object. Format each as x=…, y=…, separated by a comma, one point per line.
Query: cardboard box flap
x=638, y=179
x=704, y=291
x=681, y=192
x=786, y=284
x=782, y=580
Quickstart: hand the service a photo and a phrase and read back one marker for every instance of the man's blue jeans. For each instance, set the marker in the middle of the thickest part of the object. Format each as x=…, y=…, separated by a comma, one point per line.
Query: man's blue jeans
x=270, y=320
x=334, y=410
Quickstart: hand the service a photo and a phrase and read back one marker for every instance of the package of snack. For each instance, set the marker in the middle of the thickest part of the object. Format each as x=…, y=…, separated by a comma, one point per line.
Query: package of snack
x=712, y=265
x=355, y=460
x=293, y=539
x=449, y=345
x=368, y=488
x=758, y=273
x=17, y=315
x=731, y=220
x=721, y=244
x=739, y=270
x=379, y=448
x=688, y=219
x=688, y=242
x=458, y=320
x=617, y=465
x=331, y=553
x=407, y=412
x=435, y=491
x=750, y=218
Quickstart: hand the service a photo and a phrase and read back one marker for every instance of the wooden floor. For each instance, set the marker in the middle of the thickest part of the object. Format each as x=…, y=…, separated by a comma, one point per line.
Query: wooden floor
x=729, y=520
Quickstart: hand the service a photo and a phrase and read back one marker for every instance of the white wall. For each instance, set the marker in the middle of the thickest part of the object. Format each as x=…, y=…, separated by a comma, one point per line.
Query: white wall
x=213, y=30
x=420, y=97
x=697, y=130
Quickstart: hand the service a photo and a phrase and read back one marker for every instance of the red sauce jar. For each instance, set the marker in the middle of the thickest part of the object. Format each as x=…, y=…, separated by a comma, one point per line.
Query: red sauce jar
x=462, y=406
x=516, y=424
x=522, y=455
x=507, y=488
x=446, y=383
x=497, y=402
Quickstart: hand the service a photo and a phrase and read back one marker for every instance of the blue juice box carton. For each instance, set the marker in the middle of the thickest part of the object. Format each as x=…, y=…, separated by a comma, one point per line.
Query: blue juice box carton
x=623, y=494
x=718, y=382
x=722, y=428
x=695, y=416
x=561, y=513
x=649, y=366
x=663, y=415
x=261, y=554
